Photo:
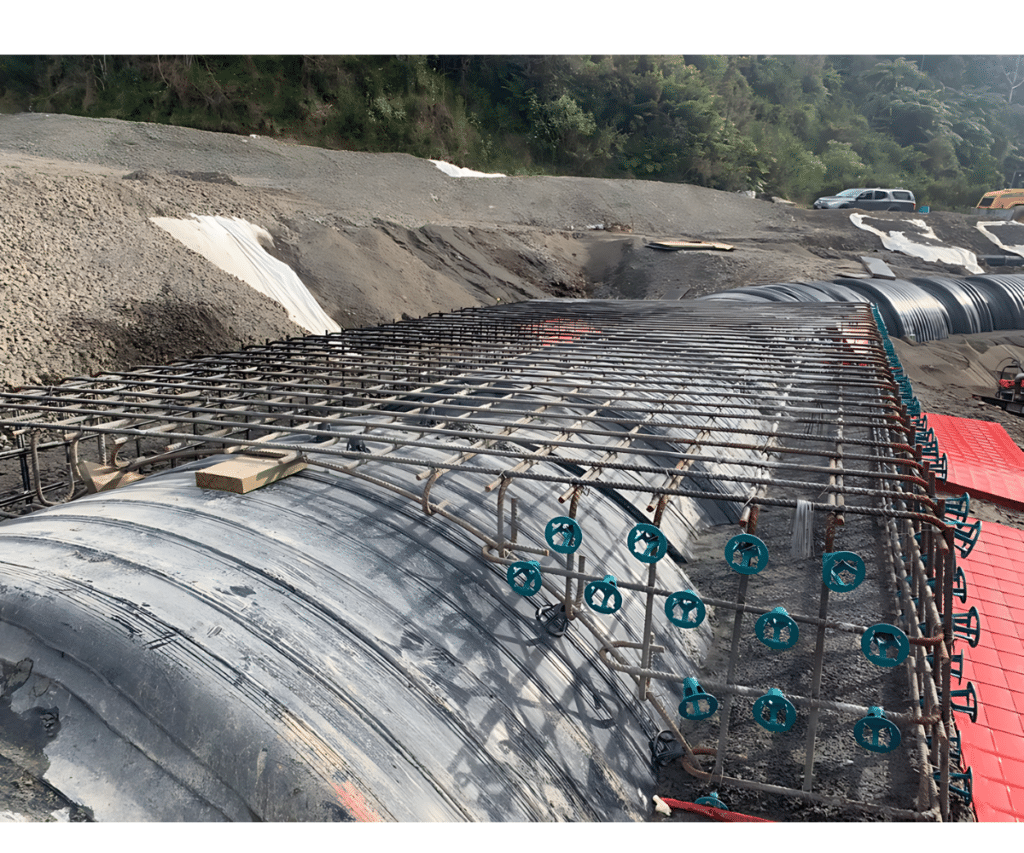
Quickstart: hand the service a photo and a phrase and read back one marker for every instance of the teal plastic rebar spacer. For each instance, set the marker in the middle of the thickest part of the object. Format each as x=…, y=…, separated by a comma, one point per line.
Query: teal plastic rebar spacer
x=842, y=571
x=524, y=577
x=967, y=534
x=685, y=609
x=563, y=535
x=958, y=508
x=954, y=745
x=956, y=665
x=774, y=712
x=959, y=585
x=967, y=626
x=608, y=591
x=941, y=469
x=885, y=645
x=964, y=780
x=713, y=801
x=970, y=706
x=697, y=704
x=875, y=733
x=746, y=554
x=647, y=543
x=771, y=627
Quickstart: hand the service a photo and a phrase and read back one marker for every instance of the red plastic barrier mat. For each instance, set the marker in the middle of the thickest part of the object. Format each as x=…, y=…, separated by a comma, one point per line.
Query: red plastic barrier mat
x=993, y=747
x=982, y=459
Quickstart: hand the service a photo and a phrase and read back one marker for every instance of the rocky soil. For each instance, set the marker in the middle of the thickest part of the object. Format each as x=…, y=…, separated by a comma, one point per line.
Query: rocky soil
x=88, y=282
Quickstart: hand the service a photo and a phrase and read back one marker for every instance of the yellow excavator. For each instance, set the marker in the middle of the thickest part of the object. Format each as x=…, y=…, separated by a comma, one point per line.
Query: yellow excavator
x=1004, y=204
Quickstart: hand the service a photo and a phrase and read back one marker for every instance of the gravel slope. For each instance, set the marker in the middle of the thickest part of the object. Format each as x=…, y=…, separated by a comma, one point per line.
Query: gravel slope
x=87, y=282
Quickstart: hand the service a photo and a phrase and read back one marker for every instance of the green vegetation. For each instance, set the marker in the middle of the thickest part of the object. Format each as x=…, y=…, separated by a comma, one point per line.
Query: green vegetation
x=947, y=127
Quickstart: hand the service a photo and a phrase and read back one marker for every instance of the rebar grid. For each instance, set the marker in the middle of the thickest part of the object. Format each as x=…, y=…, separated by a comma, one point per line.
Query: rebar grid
x=622, y=395
x=309, y=389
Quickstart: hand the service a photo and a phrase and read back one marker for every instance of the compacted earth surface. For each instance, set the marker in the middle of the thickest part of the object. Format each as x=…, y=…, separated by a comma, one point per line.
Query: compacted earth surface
x=88, y=282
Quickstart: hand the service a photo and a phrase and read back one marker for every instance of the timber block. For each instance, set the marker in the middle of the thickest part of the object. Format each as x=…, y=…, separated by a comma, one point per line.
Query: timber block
x=102, y=478
x=245, y=473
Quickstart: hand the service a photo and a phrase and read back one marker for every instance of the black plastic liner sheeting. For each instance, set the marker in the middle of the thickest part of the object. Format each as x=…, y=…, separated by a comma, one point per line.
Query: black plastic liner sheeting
x=926, y=309
x=312, y=651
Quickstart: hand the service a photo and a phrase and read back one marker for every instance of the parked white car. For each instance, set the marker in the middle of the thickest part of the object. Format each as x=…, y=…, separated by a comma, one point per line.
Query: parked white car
x=873, y=198
x=843, y=199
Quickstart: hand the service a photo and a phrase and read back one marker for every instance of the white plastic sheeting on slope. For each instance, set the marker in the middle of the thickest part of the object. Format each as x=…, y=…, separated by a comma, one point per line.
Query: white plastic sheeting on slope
x=234, y=245
x=460, y=172
x=899, y=241
x=1012, y=232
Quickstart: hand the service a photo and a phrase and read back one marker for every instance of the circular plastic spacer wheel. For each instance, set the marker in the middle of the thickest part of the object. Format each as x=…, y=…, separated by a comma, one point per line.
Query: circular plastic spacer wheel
x=697, y=704
x=885, y=645
x=774, y=712
x=771, y=627
x=837, y=566
x=603, y=596
x=524, y=577
x=712, y=801
x=875, y=733
x=563, y=535
x=746, y=554
x=685, y=609
x=647, y=543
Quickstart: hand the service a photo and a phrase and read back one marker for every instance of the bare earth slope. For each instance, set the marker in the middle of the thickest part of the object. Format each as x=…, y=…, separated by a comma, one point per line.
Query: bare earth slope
x=88, y=282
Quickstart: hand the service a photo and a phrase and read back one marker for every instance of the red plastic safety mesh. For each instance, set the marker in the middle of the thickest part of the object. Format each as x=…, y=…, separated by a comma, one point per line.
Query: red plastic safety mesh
x=993, y=747
x=982, y=459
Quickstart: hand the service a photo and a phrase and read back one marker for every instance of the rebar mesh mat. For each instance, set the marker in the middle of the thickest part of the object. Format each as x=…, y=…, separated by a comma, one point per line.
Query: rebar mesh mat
x=742, y=410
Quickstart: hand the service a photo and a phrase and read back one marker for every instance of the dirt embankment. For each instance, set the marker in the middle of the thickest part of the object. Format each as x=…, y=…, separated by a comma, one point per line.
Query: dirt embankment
x=87, y=282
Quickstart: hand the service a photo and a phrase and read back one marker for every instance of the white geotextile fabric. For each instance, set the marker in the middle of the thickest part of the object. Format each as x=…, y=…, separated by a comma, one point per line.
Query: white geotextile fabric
x=898, y=241
x=233, y=245
x=460, y=172
x=1013, y=231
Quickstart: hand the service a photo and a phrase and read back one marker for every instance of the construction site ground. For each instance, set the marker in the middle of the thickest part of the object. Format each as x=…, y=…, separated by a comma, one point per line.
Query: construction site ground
x=88, y=282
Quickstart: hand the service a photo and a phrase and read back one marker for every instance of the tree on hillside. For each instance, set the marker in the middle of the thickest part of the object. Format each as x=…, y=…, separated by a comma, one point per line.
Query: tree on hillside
x=1014, y=77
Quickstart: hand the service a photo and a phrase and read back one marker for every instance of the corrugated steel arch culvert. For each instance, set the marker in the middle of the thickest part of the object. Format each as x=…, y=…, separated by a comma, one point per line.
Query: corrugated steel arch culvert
x=928, y=308
x=320, y=649
x=1005, y=294
x=312, y=651
x=913, y=310
x=967, y=308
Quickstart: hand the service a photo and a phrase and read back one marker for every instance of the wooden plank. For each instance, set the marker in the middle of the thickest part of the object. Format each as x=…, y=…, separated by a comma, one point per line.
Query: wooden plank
x=245, y=473
x=877, y=267
x=102, y=478
x=676, y=245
